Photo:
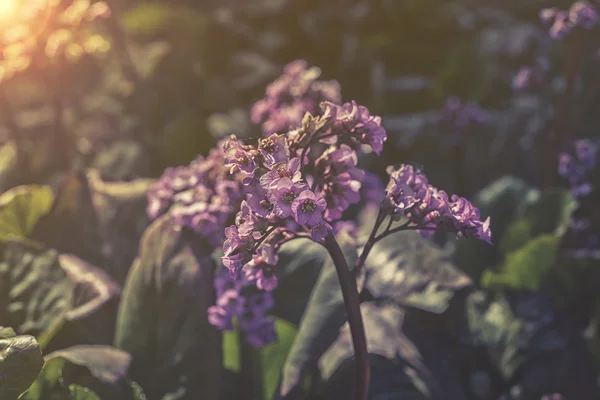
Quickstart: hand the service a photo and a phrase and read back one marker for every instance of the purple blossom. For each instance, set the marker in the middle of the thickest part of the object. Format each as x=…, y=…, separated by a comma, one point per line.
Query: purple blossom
x=296, y=92
x=274, y=150
x=283, y=194
x=409, y=194
x=237, y=158
x=320, y=231
x=583, y=14
x=201, y=196
x=220, y=318
x=261, y=333
x=239, y=299
x=458, y=118
x=356, y=121
x=308, y=208
x=289, y=169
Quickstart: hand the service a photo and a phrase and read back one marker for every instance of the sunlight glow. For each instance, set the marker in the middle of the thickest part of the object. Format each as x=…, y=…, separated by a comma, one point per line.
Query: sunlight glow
x=8, y=9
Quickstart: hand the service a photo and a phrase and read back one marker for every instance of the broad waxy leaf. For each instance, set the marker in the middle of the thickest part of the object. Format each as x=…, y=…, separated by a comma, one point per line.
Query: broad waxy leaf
x=405, y=364
x=531, y=345
x=98, y=370
x=323, y=316
x=35, y=293
x=21, y=208
x=414, y=273
x=267, y=362
x=527, y=267
x=58, y=298
x=503, y=201
x=162, y=320
x=20, y=362
x=81, y=393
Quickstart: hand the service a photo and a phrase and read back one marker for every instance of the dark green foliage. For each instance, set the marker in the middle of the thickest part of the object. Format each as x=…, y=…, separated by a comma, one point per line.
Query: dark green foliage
x=20, y=362
x=92, y=371
x=162, y=319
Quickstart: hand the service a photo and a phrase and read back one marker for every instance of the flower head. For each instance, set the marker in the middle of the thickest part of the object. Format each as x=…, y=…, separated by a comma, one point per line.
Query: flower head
x=308, y=208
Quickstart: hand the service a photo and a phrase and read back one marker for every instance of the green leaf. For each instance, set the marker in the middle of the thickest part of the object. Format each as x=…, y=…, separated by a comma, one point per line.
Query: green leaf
x=21, y=208
x=35, y=293
x=163, y=319
x=527, y=267
x=100, y=369
x=503, y=201
x=403, y=365
x=320, y=323
x=152, y=18
x=549, y=214
x=273, y=357
x=81, y=393
x=531, y=345
x=58, y=298
x=412, y=272
x=300, y=262
x=20, y=363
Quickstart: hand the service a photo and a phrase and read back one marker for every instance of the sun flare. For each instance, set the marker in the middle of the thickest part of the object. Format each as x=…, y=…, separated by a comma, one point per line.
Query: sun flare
x=8, y=9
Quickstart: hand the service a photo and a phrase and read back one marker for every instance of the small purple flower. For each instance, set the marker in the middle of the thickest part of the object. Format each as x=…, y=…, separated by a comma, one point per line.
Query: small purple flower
x=237, y=158
x=261, y=333
x=320, y=231
x=586, y=153
x=290, y=170
x=234, y=242
x=561, y=26
x=283, y=194
x=583, y=14
x=258, y=201
x=351, y=119
x=231, y=301
x=219, y=317
x=308, y=208
x=274, y=150
x=547, y=15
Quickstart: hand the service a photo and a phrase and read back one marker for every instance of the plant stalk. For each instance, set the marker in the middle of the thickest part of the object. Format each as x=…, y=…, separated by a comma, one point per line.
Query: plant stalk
x=352, y=305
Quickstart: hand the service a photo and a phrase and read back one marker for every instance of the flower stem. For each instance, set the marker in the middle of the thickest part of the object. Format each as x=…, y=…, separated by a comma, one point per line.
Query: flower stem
x=352, y=305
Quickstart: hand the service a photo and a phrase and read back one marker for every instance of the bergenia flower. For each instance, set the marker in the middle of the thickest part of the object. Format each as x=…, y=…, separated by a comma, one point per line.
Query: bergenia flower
x=283, y=194
x=410, y=195
x=291, y=96
x=308, y=208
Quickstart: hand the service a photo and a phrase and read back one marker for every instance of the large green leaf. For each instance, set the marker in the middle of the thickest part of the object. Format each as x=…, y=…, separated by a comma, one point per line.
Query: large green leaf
x=409, y=270
x=531, y=345
x=20, y=363
x=527, y=267
x=82, y=393
x=323, y=316
x=100, y=369
x=267, y=362
x=300, y=262
x=404, y=365
x=503, y=201
x=35, y=293
x=58, y=298
x=549, y=214
x=21, y=208
x=163, y=321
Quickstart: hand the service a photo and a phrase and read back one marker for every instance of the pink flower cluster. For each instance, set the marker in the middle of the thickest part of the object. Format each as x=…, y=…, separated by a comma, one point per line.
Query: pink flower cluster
x=290, y=96
x=410, y=195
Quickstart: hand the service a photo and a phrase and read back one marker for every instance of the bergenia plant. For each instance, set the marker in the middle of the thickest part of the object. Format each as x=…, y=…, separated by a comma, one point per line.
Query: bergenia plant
x=298, y=183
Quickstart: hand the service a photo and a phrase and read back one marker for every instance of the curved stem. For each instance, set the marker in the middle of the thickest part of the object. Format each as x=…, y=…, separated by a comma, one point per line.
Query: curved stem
x=369, y=245
x=352, y=305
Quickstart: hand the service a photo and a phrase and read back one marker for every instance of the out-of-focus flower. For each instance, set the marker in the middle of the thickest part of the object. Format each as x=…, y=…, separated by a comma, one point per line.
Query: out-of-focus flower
x=457, y=118
x=292, y=95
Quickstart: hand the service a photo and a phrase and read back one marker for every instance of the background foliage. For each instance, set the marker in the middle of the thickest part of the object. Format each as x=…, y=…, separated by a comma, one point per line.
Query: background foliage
x=102, y=305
